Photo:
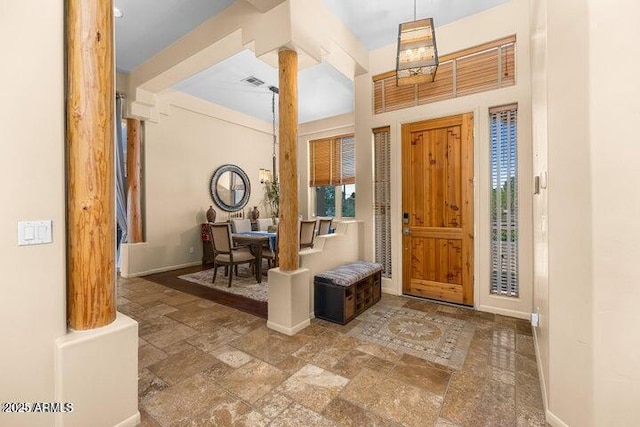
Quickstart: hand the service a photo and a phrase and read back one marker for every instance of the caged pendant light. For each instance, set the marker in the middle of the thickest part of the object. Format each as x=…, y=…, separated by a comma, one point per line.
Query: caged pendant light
x=417, y=58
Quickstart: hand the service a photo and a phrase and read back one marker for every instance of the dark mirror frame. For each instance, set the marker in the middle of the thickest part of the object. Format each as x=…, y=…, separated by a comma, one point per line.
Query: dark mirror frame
x=217, y=199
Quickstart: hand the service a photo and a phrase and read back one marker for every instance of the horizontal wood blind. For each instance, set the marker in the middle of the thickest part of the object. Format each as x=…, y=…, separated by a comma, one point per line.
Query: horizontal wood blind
x=321, y=161
x=478, y=69
x=332, y=161
x=382, y=197
x=348, y=160
x=440, y=88
x=477, y=72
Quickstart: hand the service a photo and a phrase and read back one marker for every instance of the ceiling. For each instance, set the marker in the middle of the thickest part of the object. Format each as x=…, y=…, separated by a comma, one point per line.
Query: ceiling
x=149, y=26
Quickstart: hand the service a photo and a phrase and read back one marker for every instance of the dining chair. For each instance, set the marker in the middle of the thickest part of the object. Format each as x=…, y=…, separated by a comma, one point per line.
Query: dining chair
x=271, y=254
x=239, y=225
x=264, y=223
x=226, y=254
x=324, y=225
x=307, y=233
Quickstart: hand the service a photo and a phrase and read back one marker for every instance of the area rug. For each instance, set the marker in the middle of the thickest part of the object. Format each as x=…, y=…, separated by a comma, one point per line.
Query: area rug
x=440, y=339
x=244, y=285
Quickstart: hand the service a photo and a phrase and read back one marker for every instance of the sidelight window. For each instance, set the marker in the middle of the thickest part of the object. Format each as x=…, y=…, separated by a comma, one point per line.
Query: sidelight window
x=382, y=197
x=504, y=200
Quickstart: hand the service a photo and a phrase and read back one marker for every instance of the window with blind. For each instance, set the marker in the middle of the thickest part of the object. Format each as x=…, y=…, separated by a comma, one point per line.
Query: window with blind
x=382, y=198
x=477, y=69
x=332, y=171
x=504, y=200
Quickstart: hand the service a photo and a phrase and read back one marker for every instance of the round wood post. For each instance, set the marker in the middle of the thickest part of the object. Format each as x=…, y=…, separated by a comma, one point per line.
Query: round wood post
x=289, y=236
x=90, y=173
x=134, y=216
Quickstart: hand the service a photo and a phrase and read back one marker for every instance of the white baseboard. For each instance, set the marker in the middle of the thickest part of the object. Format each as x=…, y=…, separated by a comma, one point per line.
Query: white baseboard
x=550, y=417
x=504, y=312
x=553, y=420
x=289, y=331
x=132, y=421
x=161, y=269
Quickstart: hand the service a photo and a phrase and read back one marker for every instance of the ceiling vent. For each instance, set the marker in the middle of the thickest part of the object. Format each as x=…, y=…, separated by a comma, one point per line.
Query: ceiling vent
x=253, y=81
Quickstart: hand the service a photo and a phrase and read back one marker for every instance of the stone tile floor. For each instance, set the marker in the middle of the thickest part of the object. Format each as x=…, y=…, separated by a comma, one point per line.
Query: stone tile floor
x=205, y=364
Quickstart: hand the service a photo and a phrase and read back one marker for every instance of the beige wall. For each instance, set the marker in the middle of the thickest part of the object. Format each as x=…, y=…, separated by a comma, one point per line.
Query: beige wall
x=510, y=18
x=32, y=306
x=586, y=283
x=182, y=150
x=614, y=102
x=540, y=201
x=564, y=296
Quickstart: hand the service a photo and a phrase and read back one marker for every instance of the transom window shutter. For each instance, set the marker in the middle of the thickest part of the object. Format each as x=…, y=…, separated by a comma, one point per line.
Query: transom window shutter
x=504, y=200
x=477, y=69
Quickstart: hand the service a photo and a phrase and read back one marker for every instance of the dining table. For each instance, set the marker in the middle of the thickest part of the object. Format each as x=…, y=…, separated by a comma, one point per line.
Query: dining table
x=256, y=240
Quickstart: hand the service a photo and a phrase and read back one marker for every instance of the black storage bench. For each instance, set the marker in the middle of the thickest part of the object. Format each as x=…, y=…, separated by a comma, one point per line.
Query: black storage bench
x=346, y=291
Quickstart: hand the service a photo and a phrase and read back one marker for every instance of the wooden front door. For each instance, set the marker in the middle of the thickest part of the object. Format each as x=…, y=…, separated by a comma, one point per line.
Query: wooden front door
x=437, y=205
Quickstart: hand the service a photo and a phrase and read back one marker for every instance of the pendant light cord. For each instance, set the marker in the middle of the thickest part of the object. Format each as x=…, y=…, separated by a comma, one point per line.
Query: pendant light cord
x=414, y=10
x=274, y=90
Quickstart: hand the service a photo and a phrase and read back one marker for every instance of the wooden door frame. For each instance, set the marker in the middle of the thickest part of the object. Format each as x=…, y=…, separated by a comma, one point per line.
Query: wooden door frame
x=466, y=122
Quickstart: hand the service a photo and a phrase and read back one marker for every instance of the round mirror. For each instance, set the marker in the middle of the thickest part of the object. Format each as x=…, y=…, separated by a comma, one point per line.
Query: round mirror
x=230, y=188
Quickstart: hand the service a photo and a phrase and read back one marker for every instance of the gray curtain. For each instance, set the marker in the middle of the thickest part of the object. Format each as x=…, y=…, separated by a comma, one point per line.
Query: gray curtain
x=121, y=180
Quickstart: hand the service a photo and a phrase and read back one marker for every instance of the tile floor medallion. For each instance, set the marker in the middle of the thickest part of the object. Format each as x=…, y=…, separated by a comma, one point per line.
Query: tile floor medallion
x=244, y=285
x=440, y=339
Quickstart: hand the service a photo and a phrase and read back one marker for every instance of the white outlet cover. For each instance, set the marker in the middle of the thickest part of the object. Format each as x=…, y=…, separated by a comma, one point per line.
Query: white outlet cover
x=535, y=319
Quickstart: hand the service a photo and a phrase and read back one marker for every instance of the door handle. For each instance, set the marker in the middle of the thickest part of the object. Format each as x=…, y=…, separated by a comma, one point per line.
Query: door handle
x=406, y=231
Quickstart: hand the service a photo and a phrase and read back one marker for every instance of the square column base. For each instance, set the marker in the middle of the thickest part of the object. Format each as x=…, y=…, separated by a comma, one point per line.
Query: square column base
x=289, y=300
x=97, y=372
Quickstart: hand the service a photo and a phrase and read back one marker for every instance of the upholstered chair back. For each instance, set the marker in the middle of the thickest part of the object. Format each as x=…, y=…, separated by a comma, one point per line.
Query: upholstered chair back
x=221, y=237
x=264, y=223
x=240, y=225
x=324, y=225
x=307, y=233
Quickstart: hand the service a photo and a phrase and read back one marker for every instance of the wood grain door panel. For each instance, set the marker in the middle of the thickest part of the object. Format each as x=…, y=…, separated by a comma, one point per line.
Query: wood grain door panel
x=437, y=159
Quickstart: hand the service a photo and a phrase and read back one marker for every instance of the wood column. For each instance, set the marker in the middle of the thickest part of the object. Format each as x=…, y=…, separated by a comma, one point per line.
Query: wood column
x=90, y=164
x=134, y=203
x=289, y=236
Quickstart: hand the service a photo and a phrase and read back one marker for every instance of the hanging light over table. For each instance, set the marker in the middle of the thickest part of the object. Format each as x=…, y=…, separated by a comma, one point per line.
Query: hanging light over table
x=274, y=91
x=417, y=59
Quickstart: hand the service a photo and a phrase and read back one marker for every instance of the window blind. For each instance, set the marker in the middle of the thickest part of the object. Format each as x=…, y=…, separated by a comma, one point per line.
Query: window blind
x=477, y=69
x=332, y=161
x=348, y=160
x=382, y=197
x=504, y=200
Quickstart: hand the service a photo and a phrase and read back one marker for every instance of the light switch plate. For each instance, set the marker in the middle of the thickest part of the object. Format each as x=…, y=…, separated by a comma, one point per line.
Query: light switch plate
x=34, y=232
